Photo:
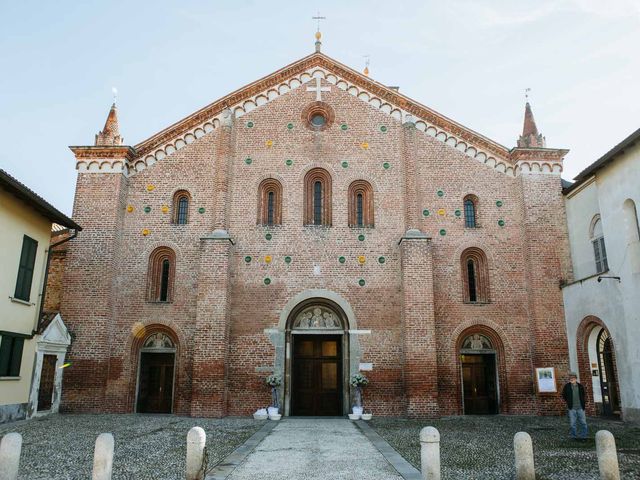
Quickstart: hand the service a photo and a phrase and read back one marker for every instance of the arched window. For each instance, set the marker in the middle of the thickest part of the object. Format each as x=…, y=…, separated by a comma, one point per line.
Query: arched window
x=597, y=240
x=181, y=207
x=270, y=202
x=475, y=276
x=160, y=275
x=317, y=197
x=471, y=211
x=361, y=204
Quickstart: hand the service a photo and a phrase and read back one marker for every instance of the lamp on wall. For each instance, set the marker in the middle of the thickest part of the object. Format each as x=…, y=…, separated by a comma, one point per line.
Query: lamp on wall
x=604, y=276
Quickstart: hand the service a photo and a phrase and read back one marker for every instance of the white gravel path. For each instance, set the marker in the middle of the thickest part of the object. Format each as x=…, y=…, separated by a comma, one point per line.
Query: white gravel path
x=310, y=449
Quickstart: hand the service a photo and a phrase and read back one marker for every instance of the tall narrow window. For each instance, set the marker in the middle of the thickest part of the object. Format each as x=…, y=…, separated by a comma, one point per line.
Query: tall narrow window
x=164, y=280
x=181, y=207
x=270, y=202
x=360, y=204
x=317, y=203
x=25, y=268
x=471, y=278
x=160, y=275
x=470, y=211
x=599, y=249
x=317, y=197
x=475, y=276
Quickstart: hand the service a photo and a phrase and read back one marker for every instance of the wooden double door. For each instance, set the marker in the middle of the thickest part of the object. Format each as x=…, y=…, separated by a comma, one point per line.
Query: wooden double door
x=316, y=384
x=479, y=384
x=155, y=384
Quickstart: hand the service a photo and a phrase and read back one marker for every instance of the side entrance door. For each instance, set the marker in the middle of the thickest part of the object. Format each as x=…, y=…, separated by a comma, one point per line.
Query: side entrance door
x=316, y=385
x=155, y=387
x=479, y=384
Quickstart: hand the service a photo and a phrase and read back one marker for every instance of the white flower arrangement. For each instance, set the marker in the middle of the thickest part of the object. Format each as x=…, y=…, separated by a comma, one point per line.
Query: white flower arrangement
x=359, y=380
x=274, y=380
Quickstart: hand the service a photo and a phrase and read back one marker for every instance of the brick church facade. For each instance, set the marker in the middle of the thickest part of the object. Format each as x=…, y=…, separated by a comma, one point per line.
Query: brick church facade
x=313, y=224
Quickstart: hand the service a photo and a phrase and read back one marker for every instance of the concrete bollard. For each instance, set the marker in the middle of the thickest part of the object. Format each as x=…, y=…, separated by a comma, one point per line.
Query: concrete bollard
x=607, y=456
x=523, y=449
x=103, y=457
x=10, y=448
x=430, y=453
x=196, y=442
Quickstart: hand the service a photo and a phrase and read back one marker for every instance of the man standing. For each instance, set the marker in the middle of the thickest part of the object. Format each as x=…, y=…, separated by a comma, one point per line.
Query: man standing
x=573, y=394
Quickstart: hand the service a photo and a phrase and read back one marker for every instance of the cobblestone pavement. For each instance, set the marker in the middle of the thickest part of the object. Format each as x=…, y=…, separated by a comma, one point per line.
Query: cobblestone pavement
x=315, y=449
x=481, y=447
x=147, y=447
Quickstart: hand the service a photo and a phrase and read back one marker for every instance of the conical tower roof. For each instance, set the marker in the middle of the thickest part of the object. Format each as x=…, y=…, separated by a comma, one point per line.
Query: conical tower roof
x=530, y=137
x=110, y=134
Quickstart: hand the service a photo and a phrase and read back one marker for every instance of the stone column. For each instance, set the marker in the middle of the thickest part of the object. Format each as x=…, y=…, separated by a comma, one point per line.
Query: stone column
x=211, y=335
x=10, y=448
x=607, y=456
x=523, y=450
x=223, y=160
x=103, y=457
x=420, y=364
x=430, y=453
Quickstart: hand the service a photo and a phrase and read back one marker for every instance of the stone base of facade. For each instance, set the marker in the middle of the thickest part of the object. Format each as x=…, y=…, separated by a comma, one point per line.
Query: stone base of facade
x=13, y=412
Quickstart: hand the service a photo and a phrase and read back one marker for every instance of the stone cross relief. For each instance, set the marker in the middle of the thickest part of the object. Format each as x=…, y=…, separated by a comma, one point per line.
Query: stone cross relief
x=318, y=89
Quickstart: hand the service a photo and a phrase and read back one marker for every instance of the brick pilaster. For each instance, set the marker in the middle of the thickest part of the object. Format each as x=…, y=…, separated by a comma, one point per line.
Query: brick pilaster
x=420, y=360
x=211, y=335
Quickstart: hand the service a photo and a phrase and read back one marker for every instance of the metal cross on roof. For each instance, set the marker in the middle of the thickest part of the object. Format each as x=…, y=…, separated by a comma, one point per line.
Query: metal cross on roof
x=318, y=17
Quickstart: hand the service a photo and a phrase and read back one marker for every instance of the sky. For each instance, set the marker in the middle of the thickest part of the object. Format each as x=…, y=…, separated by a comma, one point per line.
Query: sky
x=470, y=60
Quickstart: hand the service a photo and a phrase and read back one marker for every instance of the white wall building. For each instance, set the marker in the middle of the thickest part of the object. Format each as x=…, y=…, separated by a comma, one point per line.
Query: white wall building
x=602, y=303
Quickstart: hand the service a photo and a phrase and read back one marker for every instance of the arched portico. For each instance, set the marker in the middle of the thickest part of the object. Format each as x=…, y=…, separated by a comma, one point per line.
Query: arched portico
x=307, y=318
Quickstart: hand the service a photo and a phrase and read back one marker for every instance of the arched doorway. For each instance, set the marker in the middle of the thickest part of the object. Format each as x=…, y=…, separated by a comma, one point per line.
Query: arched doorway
x=478, y=361
x=156, y=374
x=317, y=360
x=607, y=373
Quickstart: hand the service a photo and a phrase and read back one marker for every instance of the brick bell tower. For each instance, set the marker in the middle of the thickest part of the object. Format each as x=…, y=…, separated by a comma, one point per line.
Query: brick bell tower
x=546, y=254
x=90, y=274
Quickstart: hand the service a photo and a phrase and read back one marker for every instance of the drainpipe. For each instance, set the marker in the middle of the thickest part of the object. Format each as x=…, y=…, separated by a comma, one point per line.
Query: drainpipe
x=46, y=277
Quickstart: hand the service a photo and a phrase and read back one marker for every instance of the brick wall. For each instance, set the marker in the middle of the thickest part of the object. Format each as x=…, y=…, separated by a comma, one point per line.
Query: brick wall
x=412, y=303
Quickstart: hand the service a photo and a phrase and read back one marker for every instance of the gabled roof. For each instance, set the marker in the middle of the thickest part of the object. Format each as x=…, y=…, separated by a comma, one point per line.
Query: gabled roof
x=24, y=193
x=367, y=89
x=606, y=159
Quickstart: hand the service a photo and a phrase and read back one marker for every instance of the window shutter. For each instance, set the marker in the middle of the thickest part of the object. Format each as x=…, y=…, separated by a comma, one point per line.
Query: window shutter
x=16, y=357
x=25, y=269
x=5, y=355
x=596, y=252
x=603, y=255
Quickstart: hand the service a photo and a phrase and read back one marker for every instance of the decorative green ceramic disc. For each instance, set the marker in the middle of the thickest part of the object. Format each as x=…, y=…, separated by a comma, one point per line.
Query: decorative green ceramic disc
x=381, y=259
x=499, y=203
x=458, y=213
x=345, y=164
x=289, y=162
x=443, y=232
x=342, y=259
x=248, y=161
x=201, y=210
x=247, y=259
x=426, y=212
x=361, y=282
x=383, y=128
x=440, y=193
x=361, y=237
x=147, y=209
x=290, y=126
x=343, y=127
x=268, y=236
x=501, y=222
x=287, y=259
x=250, y=124
x=267, y=281
x=386, y=165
